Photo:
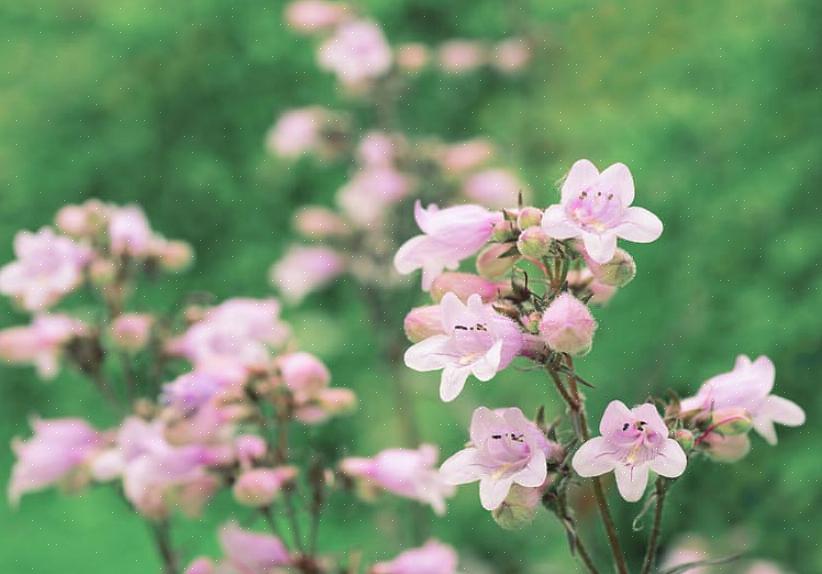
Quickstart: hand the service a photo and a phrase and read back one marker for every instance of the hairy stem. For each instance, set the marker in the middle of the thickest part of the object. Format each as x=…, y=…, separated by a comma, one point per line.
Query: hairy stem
x=653, y=538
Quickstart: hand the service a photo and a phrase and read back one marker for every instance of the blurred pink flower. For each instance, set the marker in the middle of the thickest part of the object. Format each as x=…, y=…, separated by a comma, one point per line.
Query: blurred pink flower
x=132, y=331
x=597, y=207
x=319, y=222
x=201, y=566
x=748, y=386
x=309, y=16
x=297, y=132
x=412, y=57
x=129, y=231
x=506, y=449
x=371, y=191
x=465, y=156
x=461, y=56
x=449, y=236
x=260, y=487
x=248, y=448
x=405, y=472
x=356, y=53
x=190, y=391
x=511, y=55
x=305, y=269
x=251, y=552
x=633, y=442
x=48, y=267
x=568, y=326
x=494, y=188
x=58, y=447
x=325, y=403
x=377, y=149
x=41, y=343
x=432, y=558
x=303, y=373
x=476, y=341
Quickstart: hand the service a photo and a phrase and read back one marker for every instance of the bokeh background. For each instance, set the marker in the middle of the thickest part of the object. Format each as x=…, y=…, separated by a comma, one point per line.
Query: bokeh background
x=715, y=106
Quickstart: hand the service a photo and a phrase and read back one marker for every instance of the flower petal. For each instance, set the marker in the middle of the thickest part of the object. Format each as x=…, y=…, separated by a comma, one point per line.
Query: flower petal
x=631, y=481
x=557, y=225
x=765, y=428
x=617, y=179
x=454, y=312
x=486, y=367
x=409, y=256
x=483, y=423
x=616, y=414
x=670, y=461
x=601, y=247
x=493, y=492
x=582, y=174
x=593, y=458
x=461, y=468
x=782, y=411
x=429, y=354
x=639, y=225
x=452, y=382
x=535, y=473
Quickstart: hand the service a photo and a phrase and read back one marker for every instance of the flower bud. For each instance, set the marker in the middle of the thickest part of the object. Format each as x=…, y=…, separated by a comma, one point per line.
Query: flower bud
x=200, y=566
x=303, y=372
x=534, y=242
x=503, y=231
x=319, y=223
x=102, y=272
x=463, y=285
x=568, y=326
x=618, y=272
x=175, y=255
x=261, y=486
x=249, y=447
x=727, y=448
x=423, y=322
x=529, y=217
x=519, y=508
x=731, y=421
x=412, y=57
x=685, y=438
x=490, y=262
x=132, y=331
x=337, y=400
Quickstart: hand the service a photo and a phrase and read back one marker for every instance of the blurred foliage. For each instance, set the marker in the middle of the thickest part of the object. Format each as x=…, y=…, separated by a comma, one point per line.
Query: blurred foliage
x=715, y=106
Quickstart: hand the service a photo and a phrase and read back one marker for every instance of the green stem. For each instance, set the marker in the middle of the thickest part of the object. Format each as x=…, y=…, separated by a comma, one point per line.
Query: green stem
x=653, y=538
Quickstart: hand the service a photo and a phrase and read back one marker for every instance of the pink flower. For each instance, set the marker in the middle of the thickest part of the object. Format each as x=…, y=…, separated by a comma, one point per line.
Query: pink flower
x=463, y=285
x=309, y=16
x=297, y=132
x=494, y=188
x=412, y=57
x=319, y=223
x=748, y=386
x=58, y=447
x=48, y=267
x=371, y=191
x=40, y=343
x=190, y=391
x=464, y=156
x=506, y=449
x=318, y=407
x=597, y=207
x=305, y=269
x=248, y=448
x=303, y=373
x=477, y=341
x=449, y=236
x=129, y=231
x=261, y=486
x=432, y=558
x=511, y=55
x=461, y=56
x=356, y=53
x=377, y=149
x=423, y=322
x=251, y=552
x=132, y=331
x=633, y=442
x=568, y=326
x=404, y=472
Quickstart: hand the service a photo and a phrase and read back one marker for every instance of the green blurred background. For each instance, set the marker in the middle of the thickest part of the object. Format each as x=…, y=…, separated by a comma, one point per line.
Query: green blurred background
x=715, y=106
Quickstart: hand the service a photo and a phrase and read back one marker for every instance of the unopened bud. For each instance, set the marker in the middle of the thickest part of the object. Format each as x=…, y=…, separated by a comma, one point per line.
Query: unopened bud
x=423, y=322
x=534, y=242
x=529, y=217
x=132, y=331
x=463, y=285
x=503, y=231
x=727, y=448
x=731, y=421
x=618, y=272
x=319, y=223
x=685, y=438
x=261, y=486
x=249, y=447
x=519, y=508
x=303, y=372
x=337, y=400
x=493, y=261
x=175, y=255
x=568, y=326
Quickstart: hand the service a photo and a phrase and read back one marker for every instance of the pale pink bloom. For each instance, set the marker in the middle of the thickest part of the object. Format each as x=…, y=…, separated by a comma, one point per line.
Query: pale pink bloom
x=173, y=255
x=597, y=207
x=584, y=278
x=132, y=331
x=477, y=341
x=423, y=322
x=201, y=566
x=511, y=55
x=190, y=391
x=371, y=192
x=412, y=57
x=432, y=558
x=764, y=567
x=248, y=448
x=568, y=326
x=449, y=236
x=319, y=223
x=506, y=449
x=48, y=267
x=211, y=425
x=129, y=231
x=325, y=403
x=58, y=447
x=377, y=149
x=305, y=269
x=688, y=549
x=83, y=220
x=303, y=373
x=494, y=188
x=633, y=442
x=308, y=16
x=41, y=343
x=463, y=285
x=297, y=132
x=356, y=53
x=461, y=56
x=465, y=156
x=405, y=472
x=748, y=386
x=261, y=486
x=252, y=552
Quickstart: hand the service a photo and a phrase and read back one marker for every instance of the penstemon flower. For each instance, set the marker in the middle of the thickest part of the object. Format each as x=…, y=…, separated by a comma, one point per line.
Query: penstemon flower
x=506, y=449
x=433, y=557
x=356, y=53
x=42, y=343
x=633, y=442
x=476, y=341
x=597, y=207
